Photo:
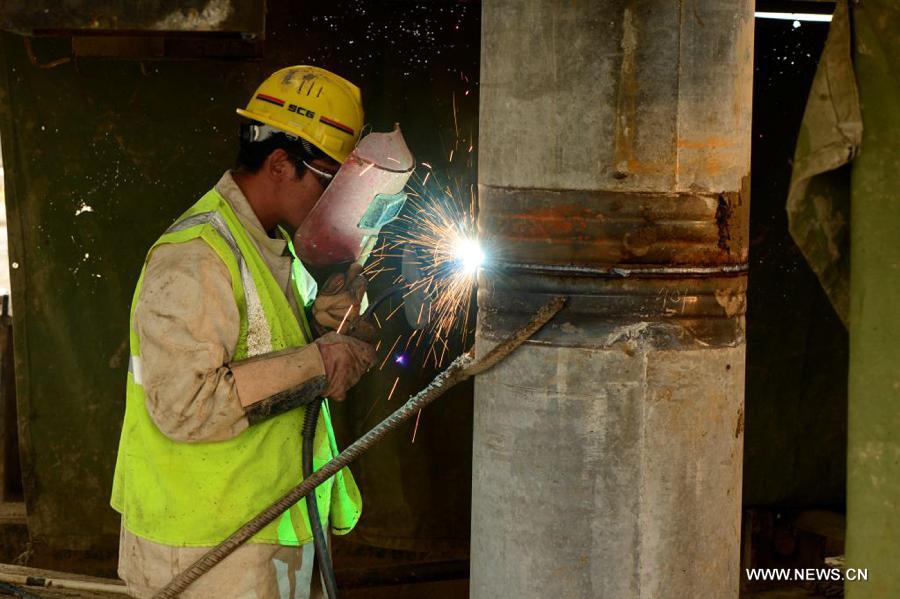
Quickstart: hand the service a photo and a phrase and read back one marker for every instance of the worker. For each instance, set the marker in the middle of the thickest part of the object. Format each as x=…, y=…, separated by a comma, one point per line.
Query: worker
x=226, y=328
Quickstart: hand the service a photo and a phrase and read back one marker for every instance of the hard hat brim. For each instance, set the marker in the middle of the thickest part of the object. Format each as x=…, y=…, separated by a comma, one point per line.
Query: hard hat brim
x=293, y=131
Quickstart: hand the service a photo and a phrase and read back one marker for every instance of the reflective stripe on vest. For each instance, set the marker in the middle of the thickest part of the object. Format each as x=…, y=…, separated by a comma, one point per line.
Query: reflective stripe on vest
x=259, y=340
x=134, y=369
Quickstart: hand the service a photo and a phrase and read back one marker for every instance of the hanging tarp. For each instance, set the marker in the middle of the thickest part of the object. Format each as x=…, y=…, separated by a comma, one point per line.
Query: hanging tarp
x=818, y=204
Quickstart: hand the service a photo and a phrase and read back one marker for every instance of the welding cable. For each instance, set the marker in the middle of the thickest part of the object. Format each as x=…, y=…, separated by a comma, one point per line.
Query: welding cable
x=380, y=299
x=310, y=420
x=312, y=508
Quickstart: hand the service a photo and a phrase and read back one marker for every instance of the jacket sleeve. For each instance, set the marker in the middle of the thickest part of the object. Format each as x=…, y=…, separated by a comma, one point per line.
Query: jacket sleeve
x=188, y=324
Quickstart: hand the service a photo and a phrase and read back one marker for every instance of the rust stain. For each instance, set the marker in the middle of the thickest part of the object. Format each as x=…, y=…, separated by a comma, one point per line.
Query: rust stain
x=593, y=227
x=557, y=211
x=626, y=100
x=705, y=158
x=639, y=242
x=711, y=165
x=723, y=221
x=556, y=221
x=733, y=301
x=709, y=142
x=633, y=165
x=739, y=426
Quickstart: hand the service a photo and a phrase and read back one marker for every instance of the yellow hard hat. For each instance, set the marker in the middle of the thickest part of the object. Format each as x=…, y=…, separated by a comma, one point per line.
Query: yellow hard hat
x=311, y=103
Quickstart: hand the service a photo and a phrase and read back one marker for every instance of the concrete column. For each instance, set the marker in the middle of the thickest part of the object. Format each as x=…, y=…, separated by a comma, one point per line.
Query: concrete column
x=614, y=160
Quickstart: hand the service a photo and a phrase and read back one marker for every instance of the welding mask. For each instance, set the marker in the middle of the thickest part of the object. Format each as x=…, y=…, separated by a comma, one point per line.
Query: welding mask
x=365, y=195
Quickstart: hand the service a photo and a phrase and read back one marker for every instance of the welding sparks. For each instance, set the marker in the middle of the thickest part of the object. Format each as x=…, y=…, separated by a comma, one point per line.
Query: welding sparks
x=366, y=170
x=436, y=239
x=442, y=256
x=416, y=429
x=344, y=319
x=468, y=254
x=390, y=352
x=394, y=388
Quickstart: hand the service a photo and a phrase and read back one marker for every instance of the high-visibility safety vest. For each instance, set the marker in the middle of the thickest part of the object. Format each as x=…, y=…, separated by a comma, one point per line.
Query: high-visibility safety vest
x=196, y=494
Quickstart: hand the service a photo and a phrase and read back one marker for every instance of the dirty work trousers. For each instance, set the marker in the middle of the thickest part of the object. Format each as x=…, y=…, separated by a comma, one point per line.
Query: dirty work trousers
x=253, y=571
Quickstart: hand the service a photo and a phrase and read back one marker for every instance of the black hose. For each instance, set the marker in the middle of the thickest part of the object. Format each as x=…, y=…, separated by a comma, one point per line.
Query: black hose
x=381, y=298
x=319, y=540
x=309, y=433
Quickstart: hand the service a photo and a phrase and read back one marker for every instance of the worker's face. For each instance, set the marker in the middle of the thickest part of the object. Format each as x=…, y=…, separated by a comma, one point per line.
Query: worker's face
x=297, y=194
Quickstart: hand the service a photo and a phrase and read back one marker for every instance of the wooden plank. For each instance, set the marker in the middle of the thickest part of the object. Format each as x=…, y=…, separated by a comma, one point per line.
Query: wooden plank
x=92, y=586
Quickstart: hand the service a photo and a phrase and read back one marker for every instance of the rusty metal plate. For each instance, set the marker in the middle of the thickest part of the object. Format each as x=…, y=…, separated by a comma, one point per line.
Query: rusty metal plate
x=604, y=228
x=676, y=313
x=136, y=16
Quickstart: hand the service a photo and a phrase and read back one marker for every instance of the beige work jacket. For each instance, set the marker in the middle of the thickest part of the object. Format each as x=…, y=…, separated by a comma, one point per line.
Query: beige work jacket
x=192, y=397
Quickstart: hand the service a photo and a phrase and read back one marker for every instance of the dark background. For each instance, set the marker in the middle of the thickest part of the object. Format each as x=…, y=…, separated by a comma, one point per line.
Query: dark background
x=796, y=401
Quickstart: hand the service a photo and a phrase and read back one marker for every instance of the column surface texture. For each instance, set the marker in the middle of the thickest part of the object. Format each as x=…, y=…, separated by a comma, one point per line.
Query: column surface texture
x=614, y=169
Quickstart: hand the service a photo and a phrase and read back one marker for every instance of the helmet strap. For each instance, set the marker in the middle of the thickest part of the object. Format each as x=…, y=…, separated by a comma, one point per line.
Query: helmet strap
x=258, y=132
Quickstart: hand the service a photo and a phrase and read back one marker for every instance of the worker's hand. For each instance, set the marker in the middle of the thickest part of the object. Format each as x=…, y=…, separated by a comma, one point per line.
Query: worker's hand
x=338, y=300
x=361, y=329
x=346, y=359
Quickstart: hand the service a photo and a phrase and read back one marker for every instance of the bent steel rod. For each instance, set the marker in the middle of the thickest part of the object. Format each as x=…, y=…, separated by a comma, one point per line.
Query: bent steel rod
x=459, y=370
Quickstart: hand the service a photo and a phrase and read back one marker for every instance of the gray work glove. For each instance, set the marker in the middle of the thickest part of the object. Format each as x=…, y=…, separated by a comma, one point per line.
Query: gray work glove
x=346, y=359
x=338, y=300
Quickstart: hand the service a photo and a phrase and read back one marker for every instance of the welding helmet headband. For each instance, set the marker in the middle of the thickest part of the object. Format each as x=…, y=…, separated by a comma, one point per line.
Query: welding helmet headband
x=258, y=140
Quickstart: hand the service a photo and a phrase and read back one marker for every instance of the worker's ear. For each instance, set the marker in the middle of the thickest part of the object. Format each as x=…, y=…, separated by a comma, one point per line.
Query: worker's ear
x=278, y=165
